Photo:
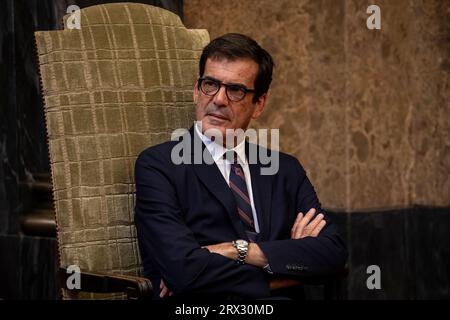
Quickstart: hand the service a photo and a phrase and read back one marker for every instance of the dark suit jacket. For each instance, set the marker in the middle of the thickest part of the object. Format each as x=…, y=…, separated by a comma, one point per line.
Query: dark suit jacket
x=180, y=208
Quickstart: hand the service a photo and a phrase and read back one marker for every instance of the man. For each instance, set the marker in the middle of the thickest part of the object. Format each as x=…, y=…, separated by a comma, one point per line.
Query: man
x=221, y=228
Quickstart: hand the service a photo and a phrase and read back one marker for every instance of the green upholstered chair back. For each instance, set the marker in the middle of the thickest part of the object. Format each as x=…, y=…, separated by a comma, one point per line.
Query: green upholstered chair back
x=120, y=83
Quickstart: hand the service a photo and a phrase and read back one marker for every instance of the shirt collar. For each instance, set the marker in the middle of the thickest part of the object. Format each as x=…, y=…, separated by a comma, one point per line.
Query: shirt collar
x=217, y=150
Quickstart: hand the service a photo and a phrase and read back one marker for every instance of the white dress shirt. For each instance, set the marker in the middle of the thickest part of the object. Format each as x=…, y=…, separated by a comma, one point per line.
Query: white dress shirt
x=217, y=151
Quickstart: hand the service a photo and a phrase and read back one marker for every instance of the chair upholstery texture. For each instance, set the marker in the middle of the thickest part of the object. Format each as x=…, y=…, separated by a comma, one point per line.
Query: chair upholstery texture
x=120, y=83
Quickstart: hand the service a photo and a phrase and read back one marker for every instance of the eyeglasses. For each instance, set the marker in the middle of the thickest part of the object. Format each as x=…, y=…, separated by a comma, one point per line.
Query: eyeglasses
x=235, y=92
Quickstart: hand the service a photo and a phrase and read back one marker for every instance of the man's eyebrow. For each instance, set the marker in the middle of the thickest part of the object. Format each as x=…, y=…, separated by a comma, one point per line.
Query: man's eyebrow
x=228, y=83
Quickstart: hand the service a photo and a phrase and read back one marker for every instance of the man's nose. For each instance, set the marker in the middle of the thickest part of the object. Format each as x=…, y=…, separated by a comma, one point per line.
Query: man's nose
x=221, y=99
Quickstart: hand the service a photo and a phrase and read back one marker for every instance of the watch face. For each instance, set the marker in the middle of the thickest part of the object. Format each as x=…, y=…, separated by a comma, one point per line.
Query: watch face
x=241, y=242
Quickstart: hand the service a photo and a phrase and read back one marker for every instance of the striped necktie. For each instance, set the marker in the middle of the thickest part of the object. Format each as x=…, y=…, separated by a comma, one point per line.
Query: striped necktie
x=238, y=187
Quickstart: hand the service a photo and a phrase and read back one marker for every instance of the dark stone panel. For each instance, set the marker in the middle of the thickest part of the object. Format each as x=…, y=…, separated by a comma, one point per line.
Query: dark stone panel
x=428, y=245
x=39, y=268
x=4, y=203
x=8, y=131
x=9, y=267
x=379, y=239
x=28, y=268
x=409, y=245
x=32, y=142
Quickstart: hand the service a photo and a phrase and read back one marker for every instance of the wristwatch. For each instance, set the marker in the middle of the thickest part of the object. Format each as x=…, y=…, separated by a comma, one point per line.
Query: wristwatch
x=242, y=249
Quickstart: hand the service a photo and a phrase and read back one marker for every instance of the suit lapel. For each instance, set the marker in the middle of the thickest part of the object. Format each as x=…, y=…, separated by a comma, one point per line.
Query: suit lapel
x=213, y=180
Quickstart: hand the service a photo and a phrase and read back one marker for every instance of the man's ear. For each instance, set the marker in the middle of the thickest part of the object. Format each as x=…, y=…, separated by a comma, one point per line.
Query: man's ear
x=195, y=93
x=259, y=106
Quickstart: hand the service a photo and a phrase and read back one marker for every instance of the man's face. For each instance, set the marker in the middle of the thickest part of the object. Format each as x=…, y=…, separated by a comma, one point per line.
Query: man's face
x=218, y=112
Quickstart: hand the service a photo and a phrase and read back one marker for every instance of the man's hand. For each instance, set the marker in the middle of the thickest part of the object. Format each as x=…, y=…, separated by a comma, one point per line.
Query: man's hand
x=304, y=227
x=164, y=290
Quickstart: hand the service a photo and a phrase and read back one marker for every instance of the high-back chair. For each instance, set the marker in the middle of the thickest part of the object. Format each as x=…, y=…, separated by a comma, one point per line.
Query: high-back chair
x=120, y=83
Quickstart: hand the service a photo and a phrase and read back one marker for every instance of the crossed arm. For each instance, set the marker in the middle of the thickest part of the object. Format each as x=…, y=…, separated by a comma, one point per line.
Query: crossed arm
x=303, y=227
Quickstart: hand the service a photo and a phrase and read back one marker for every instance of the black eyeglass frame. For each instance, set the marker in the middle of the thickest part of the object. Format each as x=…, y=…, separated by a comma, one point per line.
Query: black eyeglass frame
x=220, y=84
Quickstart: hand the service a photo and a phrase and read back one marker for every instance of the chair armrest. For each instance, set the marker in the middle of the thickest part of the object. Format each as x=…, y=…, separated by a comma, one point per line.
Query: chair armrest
x=98, y=282
x=280, y=283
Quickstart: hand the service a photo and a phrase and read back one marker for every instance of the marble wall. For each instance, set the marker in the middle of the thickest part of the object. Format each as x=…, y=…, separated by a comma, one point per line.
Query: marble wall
x=367, y=114
x=365, y=111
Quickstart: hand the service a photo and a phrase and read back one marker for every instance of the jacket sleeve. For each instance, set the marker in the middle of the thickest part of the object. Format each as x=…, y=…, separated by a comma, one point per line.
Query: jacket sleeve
x=322, y=255
x=167, y=244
